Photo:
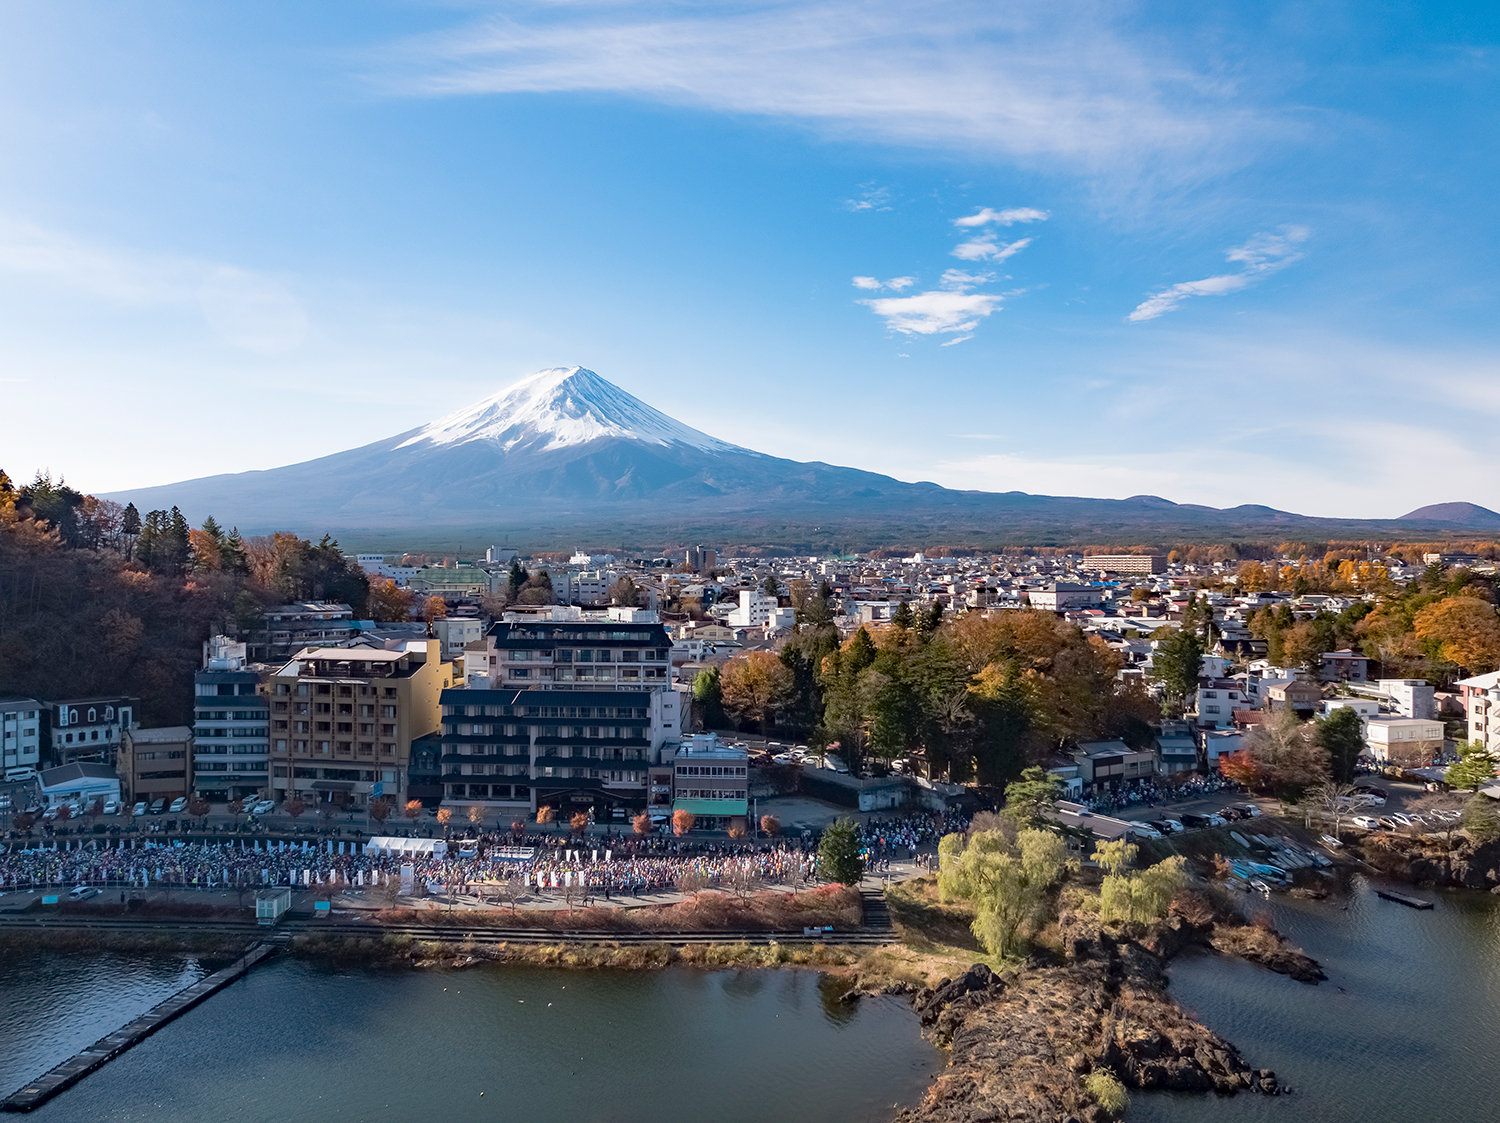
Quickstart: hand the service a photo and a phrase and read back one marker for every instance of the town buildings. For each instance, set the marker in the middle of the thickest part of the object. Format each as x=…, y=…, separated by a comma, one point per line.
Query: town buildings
x=89, y=729
x=343, y=719
x=231, y=723
x=20, y=736
x=79, y=785
x=710, y=781
x=155, y=763
x=291, y=627
x=577, y=712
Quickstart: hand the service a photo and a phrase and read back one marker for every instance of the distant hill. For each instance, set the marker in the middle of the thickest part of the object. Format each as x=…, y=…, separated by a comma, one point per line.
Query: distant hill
x=566, y=453
x=1468, y=515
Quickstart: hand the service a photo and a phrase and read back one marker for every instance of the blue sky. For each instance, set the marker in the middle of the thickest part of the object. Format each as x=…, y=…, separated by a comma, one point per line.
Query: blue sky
x=1222, y=253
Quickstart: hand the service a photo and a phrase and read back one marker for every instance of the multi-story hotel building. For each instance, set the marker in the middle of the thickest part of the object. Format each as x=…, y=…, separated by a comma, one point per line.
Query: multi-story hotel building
x=231, y=724
x=577, y=714
x=20, y=736
x=343, y=719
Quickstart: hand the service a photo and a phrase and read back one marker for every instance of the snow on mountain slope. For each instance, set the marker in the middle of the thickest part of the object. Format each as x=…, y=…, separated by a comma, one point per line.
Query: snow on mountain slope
x=556, y=408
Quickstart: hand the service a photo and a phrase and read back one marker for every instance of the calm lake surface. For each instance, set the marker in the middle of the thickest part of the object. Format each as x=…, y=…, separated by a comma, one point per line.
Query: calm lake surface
x=1404, y=1029
x=299, y=1041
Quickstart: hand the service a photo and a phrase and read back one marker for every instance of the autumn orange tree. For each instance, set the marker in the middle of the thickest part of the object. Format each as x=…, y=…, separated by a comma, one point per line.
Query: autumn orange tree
x=641, y=824
x=1462, y=630
x=1281, y=755
x=413, y=809
x=754, y=686
x=682, y=822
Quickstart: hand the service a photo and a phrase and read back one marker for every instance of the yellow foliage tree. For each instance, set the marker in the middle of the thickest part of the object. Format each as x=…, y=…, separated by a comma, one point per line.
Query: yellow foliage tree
x=1464, y=629
x=1006, y=880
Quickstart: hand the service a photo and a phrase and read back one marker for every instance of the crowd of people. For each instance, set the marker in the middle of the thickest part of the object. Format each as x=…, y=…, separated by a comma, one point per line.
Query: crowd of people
x=494, y=865
x=596, y=865
x=1154, y=791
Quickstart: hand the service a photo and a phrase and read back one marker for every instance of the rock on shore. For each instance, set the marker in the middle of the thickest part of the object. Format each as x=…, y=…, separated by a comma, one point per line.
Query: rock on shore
x=1023, y=1042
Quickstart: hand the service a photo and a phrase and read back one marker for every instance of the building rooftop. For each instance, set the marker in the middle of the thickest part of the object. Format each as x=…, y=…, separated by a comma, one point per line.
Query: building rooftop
x=161, y=735
x=68, y=773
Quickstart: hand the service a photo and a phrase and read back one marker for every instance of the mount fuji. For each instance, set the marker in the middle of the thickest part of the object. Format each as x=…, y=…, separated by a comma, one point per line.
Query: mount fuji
x=567, y=450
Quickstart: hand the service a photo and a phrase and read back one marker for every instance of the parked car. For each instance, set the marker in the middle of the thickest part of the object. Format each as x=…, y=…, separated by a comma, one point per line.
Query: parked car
x=1216, y=820
x=112, y=807
x=1144, y=830
x=178, y=804
x=1250, y=809
x=1368, y=822
x=83, y=893
x=1195, y=822
x=158, y=806
x=1173, y=825
x=139, y=808
x=784, y=758
x=1412, y=821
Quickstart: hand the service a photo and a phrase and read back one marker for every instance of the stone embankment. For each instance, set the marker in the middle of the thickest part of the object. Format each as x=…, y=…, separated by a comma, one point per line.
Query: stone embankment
x=1459, y=864
x=1024, y=1042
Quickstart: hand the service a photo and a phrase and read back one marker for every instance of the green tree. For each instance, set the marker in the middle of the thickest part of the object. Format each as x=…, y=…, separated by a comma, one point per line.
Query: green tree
x=903, y=617
x=1176, y=665
x=1480, y=818
x=130, y=521
x=708, y=697
x=770, y=586
x=838, y=853
x=1005, y=878
x=1342, y=736
x=235, y=558
x=1141, y=897
x=1475, y=767
x=1029, y=800
x=518, y=576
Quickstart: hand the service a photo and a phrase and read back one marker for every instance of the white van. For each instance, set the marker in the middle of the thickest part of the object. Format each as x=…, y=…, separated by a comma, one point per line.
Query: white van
x=24, y=772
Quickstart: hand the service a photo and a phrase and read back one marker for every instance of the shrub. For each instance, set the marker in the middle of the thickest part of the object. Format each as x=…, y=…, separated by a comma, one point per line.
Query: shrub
x=1107, y=1091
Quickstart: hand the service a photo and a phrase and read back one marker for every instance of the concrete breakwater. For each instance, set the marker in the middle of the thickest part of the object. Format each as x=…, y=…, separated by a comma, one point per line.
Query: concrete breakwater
x=37, y=1092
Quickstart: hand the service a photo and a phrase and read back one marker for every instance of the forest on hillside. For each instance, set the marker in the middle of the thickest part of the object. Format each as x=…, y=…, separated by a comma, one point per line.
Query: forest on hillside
x=98, y=599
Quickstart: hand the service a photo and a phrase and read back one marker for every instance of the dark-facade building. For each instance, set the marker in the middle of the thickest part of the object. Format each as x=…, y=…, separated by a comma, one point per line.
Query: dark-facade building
x=577, y=713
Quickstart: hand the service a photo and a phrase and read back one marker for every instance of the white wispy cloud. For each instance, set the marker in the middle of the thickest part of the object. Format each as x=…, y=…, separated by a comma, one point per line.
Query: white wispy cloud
x=986, y=217
x=871, y=199
x=949, y=310
x=895, y=284
x=1261, y=255
x=986, y=248
x=245, y=308
x=1026, y=79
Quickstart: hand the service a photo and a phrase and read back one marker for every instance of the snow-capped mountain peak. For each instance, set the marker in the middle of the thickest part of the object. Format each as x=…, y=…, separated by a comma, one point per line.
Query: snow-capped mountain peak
x=556, y=408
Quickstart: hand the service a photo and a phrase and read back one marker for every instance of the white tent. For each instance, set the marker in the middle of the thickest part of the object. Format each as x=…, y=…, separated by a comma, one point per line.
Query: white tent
x=418, y=847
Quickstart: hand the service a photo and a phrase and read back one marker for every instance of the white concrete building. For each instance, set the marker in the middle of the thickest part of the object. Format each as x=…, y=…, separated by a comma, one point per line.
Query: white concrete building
x=456, y=633
x=20, y=735
x=1403, y=740
x=1217, y=701
x=1410, y=697
x=754, y=611
x=1366, y=708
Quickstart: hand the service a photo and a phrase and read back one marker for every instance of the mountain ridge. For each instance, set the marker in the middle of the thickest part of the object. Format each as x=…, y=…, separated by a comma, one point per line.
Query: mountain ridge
x=565, y=447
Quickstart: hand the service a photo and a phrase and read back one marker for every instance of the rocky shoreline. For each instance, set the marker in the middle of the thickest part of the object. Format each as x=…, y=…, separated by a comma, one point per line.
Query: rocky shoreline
x=1023, y=1043
x=1463, y=866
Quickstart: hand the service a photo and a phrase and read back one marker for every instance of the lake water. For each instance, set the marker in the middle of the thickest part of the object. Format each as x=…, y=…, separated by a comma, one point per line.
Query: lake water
x=300, y=1041
x=1404, y=1029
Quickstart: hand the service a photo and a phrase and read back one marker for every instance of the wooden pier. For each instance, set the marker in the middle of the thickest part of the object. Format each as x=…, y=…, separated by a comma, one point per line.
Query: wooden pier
x=37, y=1092
x=1403, y=899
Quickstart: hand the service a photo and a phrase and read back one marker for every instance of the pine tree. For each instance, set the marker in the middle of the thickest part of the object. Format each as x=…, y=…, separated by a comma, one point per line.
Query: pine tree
x=130, y=521
x=1475, y=767
x=838, y=854
x=214, y=531
x=235, y=558
x=902, y=617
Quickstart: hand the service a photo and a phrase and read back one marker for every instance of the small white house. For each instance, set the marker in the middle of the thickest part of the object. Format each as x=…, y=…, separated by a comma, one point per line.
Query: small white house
x=1366, y=708
x=79, y=784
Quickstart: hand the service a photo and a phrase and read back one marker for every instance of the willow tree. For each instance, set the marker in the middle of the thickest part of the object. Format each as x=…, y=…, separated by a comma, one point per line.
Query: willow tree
x=1006, y=878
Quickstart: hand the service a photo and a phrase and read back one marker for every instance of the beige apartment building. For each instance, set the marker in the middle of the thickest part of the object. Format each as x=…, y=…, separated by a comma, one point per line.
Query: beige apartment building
x=343, y=719
x=155, y=763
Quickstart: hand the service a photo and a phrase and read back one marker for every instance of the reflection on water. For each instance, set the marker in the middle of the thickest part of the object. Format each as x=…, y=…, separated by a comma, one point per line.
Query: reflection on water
x=1404, y=1028
x=52, y=1005
x=296, y=1041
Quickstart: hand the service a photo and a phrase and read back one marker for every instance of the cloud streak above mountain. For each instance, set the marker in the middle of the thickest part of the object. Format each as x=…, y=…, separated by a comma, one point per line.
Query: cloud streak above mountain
x=1261, y=255
x=1022, y=80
